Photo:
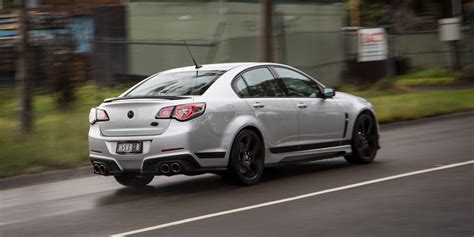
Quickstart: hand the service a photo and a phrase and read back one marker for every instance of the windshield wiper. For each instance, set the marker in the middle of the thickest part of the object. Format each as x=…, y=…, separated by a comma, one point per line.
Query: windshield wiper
x=165, y=97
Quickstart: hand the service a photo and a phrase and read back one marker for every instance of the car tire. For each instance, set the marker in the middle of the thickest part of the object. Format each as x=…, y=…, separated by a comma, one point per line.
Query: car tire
x=364, y=140
x=134, y=180
x=246, y=161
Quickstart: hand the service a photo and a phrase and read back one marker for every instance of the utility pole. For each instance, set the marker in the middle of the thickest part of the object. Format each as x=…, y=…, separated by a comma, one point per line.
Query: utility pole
x=23, y=78
x=354, y=12
x=456, y=12
x=266, y=41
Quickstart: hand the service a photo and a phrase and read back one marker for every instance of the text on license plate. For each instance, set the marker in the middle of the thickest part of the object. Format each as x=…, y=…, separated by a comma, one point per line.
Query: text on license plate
x=129, y=147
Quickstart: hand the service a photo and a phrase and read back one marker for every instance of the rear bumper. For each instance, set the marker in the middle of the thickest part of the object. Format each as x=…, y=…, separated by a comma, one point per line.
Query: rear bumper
x=172, y=146
x=188, y=164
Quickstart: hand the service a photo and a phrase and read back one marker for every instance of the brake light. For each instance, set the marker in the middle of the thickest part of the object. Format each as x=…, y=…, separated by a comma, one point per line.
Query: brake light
x=182, y=112
x=92, y=116
x=97, y=115
x=188, y=111
x=165, y=113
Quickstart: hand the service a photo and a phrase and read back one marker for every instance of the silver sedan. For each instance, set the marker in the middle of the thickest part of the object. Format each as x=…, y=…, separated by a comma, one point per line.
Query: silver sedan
x=230, y=119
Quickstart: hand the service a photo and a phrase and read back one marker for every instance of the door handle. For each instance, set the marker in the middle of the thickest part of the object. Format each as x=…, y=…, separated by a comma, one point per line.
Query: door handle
x=302, y=106
x=258, y=105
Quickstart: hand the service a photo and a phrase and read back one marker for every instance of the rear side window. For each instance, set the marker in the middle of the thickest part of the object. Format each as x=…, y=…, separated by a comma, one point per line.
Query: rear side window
x=242, y=88
x=261, y=83
x=177, y=84
x=297, y=84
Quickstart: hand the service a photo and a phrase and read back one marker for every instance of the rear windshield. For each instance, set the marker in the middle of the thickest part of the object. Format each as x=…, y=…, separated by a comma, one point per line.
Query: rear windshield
x=176, y=84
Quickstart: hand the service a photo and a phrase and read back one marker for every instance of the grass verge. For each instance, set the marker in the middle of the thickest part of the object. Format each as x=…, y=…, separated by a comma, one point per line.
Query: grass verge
x=416, y=105
x=429, y=77
x=60, y=138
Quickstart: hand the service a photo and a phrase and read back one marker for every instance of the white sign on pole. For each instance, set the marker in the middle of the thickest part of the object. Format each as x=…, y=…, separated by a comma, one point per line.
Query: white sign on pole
x=450, y=29
x=372, y=45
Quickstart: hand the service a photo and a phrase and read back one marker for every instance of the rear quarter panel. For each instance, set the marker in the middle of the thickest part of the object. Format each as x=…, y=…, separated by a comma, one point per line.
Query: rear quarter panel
x=226, y=115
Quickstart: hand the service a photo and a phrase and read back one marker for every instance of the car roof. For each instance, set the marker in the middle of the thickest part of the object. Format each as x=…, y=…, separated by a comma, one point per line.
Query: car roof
x=215, y=66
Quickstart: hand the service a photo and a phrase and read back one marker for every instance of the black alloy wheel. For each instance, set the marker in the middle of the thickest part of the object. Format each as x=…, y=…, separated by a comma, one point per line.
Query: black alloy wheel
x=246, y=162
x=364, y=140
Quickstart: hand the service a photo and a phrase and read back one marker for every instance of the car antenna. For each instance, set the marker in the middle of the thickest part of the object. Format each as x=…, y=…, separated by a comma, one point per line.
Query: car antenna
x=190, y=54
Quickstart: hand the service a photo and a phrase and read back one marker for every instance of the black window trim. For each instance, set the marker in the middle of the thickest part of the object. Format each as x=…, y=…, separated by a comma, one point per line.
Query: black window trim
x=280, y=83
x=318, y=84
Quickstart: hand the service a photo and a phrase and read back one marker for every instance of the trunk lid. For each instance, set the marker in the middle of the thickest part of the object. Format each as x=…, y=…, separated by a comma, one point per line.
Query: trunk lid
x=136, y=117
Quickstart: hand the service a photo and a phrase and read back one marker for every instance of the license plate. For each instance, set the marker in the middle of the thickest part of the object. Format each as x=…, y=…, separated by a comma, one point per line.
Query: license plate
x=129, y=147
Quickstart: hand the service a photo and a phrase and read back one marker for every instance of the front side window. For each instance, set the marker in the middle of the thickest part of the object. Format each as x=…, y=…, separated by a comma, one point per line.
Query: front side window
x=176, y=84
x=261, y=83
x=297, y=84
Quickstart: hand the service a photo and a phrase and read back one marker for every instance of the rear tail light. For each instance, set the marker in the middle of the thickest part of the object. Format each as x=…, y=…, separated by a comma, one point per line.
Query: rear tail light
x=165, y=113
x=182, y=112
x=97, y=115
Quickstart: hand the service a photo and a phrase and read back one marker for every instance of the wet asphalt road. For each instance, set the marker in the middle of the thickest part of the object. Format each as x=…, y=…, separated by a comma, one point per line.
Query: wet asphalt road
x=439, y=203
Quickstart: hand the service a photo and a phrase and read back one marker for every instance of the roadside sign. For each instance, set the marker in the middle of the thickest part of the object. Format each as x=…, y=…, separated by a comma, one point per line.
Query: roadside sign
x=372, y=45
x=450, y=29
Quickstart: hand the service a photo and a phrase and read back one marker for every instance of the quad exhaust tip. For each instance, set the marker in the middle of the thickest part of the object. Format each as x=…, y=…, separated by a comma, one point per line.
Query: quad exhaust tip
x=176, y=167
x=101, y=169
x=96, y=169
x=171, y=168
x=165, y=168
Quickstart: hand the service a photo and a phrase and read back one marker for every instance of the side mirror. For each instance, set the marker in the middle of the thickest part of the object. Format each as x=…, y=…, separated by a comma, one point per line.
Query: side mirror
x=329, y=92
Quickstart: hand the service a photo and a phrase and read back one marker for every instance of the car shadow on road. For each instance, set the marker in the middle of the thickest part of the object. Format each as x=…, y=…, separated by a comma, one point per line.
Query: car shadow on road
x=301, y=170
x=202, y=186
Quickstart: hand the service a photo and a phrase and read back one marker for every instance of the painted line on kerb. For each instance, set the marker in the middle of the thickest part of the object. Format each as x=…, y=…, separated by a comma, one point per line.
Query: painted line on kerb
x=265, y=204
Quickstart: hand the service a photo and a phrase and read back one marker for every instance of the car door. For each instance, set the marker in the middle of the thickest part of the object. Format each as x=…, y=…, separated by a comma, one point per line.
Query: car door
x=320, y=120
x=276, y=114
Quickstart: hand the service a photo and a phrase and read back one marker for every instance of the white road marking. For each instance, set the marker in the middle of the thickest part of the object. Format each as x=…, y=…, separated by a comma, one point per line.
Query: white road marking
x=197, y=218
